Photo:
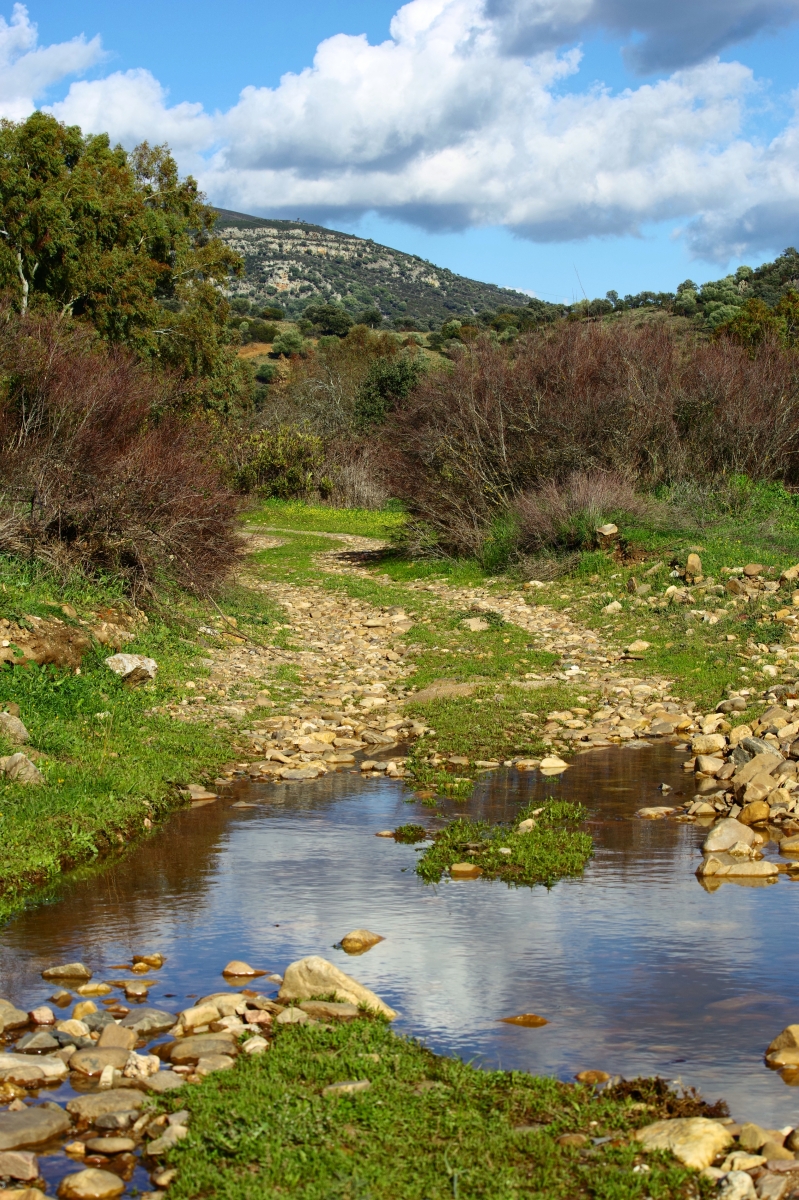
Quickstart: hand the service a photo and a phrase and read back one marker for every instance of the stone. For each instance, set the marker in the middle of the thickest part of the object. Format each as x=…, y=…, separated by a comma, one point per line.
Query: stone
x=132, y=668
x=11, y=1017
x=116, y=1120
x=29, y=1193
x=592, y=1077
x=774, y=1151
x=655, y=813
x=738, y=869
x=707, y=743
x=40, y=1042
x=695, y=1141
x=553, y=762
x=91, y=1062
x=526, y=826
x=709, y=764
x=84, y=1009
x=149, y=1021
x=94, y=989
x=200, y=1014
x=90, y=1184
x=613, y=607
x=527, y=1020
x=752, y=570
x=19, y=1164
x=637, y=647
x=741, y=1160
x=71, y=971
x=292, y=1016
x=52, y=1066
x=19, y=769
x=790, y=845
x=99, y=1104
x=693, y=565
x=752, y=1136
x=329, y=1010
x=12, y=729
x=737, y=1185
x=465, y=870
x=755, y=812
x=73, y=1028
x=726, y=833
x=359, y=941
x=164, y=1081
x=242, y=969
x=200, y=1045
x=156, y=961
x=110, y=1145
x=350, y=1087
x=169, y=1138
x=475, y=624
x=315, y=976
x=756, y=745
x=214, y=1062
x=117, y=1037
x=31, y=1127
x=772, y=1187
x=788, y=1039
x=255, y=1045
x=141, y=1066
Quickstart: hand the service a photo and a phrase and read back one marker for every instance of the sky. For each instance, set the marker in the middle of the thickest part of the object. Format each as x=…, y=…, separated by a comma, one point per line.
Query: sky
x=560, y=147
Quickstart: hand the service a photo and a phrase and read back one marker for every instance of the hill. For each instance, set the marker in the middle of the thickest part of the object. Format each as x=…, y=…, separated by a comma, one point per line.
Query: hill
x=293, y=264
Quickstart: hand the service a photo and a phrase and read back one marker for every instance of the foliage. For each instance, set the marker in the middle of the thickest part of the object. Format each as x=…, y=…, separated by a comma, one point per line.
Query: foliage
x=552, y=850
x=288, y=343
x=283, y=463
x=119, y=241
x=256, y=331
x=99, y=471
x=329, y=319
x=755, y=322
x=566, y=516
x=388, y=381
x=640, y=402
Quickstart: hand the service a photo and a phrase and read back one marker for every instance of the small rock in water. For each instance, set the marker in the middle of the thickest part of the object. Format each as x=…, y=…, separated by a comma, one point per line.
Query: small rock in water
x=654, y=813
x=75, y=970
x=110, y=1145
x=19, y=1164
x=42, y=1015
x=592, y=1076
x=31, y=1127
x=198, y=792
x=529, y=1020
x=61, y=997
x=94, y=989
x=91, y=1062
x=465, y=870
x=117, y=1037
x=84, y=1009
x=359, y=941
x=242, y=969
x=386, y=833
x=156, y=961
x=90, y=1184
x=98, y=1104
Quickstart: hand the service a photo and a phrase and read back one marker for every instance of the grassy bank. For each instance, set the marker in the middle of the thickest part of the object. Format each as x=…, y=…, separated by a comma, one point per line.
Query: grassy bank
x=427, y=1128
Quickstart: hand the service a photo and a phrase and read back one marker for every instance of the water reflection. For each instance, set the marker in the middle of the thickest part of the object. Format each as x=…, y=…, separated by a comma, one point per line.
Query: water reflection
x=636, y=968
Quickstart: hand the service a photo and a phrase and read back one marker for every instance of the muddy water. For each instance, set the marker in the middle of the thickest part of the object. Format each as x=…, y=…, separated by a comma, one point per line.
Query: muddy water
x=637, y=969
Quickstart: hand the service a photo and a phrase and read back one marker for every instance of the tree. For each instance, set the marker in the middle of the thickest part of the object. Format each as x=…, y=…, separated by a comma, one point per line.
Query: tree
x=118, y=240
x=329, y=319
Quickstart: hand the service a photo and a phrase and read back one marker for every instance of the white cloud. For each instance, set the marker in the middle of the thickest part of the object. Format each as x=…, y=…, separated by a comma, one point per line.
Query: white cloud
x=27, y=70
x=442, y=125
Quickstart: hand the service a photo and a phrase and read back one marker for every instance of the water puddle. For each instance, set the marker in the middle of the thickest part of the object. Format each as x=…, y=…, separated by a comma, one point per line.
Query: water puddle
x=635, y=967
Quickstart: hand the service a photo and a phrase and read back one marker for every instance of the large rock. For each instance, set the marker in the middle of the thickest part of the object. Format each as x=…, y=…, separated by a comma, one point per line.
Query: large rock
x=695, y=1141
x=737, y=868
x=51, y=1065
x=787, y=1040
x=726, y=833
x=117, y=1037
x=755, y=813
x=149, y=1021
x=767, y=762
x=97, y=1104
x=12, y=1017
x=19, y=1164
x=90, y=1184
x=92, y=1062
x=31, y=1127
x=315, y=976
x=12, y=729
x=708, y=743
x=75, y=970
x=19, y=769
x=132, y=668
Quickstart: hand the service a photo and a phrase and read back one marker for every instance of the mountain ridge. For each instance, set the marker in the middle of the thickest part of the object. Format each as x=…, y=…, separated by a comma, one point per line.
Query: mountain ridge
x=296, y=263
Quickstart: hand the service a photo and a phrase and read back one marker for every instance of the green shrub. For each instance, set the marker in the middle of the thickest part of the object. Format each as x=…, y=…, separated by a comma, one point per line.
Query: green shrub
x=387, y=381
x=282, y=463
x=288, y=343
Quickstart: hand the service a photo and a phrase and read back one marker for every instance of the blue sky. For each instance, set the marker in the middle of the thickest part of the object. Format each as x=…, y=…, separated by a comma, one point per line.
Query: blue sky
x=553, y=146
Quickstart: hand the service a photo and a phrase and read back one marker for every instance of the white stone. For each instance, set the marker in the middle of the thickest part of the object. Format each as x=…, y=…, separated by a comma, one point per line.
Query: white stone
x=695, y=1141
x=726, y=833
x=738, y=1186
x=132, y=668
x=315, y=976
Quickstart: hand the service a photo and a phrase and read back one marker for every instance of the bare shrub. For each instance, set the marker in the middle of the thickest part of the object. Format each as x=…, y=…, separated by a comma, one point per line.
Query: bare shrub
x=99, y=472
x=565, y=516
x=638, y=402
x=355, y=475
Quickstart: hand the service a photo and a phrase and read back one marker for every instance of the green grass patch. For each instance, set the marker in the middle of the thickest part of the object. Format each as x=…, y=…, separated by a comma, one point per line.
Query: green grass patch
x=554, y=849
x=428, y=1128
x=293, y=514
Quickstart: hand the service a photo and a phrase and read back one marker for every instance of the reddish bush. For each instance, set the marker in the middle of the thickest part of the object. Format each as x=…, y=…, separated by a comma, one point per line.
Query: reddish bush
x=639, y=402
x=99, y=470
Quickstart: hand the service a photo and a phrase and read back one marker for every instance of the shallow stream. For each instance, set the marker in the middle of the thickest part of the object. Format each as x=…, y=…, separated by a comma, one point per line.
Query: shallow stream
x=636, y=967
